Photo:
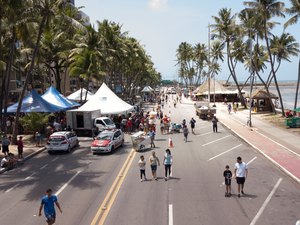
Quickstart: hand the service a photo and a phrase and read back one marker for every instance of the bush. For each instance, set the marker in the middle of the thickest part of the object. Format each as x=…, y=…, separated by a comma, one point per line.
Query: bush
x=33, y=122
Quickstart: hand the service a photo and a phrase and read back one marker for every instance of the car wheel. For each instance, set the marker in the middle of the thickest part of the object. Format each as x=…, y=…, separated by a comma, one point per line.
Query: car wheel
x=69, y=149
x=77, y=143
x=112, y=148
x=49, y=152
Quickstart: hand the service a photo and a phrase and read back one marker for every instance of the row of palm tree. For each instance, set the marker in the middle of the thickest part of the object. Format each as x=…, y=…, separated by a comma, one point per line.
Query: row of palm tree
x=248, y=40
x=39, y=38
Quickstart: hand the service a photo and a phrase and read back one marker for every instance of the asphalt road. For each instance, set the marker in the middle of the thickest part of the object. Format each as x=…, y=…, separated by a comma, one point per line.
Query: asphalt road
x=194, y=194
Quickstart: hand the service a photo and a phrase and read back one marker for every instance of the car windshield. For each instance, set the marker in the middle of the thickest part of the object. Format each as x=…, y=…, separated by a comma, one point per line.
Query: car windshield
x=108, y=121
x=104, y=137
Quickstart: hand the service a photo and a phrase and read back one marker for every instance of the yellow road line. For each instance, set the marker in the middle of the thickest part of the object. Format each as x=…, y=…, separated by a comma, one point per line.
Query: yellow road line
x=113, y=191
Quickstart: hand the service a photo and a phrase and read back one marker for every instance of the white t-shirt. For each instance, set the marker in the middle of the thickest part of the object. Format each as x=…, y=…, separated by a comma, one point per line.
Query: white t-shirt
x=142, y=164
x=241, y=169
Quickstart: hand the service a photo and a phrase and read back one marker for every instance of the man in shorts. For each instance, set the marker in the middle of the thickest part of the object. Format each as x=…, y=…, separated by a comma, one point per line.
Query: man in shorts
x=48, y=203
x=241, y=173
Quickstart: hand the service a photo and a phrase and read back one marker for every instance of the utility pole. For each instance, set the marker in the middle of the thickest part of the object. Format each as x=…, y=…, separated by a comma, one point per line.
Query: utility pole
x=209, y=64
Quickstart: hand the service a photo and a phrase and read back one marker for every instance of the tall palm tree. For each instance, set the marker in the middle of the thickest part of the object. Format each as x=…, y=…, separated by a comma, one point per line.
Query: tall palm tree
x=294, y=11
x=42, y=11
x=226, y=30
x=200, y=58
x=267, y=9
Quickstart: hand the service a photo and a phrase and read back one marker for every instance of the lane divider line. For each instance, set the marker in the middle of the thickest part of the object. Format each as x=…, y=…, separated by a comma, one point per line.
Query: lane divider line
x=170, y=214
x=199, y=135
x=251, y=160
x=12, y=188
x=66, y=184
x=110, y=197
x=30, y=176
x=216, y=140
x=43, y=167
x=262, y=208
x=224, y=152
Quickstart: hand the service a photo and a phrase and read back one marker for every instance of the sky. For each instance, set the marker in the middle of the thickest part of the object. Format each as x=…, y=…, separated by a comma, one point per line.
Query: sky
x=161, y=25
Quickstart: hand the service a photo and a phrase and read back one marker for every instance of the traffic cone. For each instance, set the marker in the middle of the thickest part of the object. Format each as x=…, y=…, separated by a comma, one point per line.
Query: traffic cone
x=171, y=143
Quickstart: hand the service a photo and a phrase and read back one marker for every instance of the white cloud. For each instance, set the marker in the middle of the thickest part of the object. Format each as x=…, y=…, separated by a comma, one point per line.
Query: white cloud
x=158, y=4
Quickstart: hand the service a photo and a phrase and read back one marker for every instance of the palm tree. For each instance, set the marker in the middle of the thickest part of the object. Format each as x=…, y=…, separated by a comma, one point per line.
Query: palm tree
x=268, y=9
x=46, y=9
x=226, y=30
x=294, y=11
x=200, y=58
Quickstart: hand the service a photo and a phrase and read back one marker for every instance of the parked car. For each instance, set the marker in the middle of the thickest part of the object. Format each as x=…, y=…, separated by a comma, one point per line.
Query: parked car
x=107, y=141
x=62, y=141
x=104, y=123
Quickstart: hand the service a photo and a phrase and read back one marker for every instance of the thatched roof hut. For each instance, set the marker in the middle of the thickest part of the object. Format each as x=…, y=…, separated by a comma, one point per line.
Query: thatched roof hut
x=262, y=101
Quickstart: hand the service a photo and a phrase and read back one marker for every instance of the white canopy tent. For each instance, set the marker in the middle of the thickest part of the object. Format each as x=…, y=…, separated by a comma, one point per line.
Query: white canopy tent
x=107, y=102
x=76, y=95
x=147, y=89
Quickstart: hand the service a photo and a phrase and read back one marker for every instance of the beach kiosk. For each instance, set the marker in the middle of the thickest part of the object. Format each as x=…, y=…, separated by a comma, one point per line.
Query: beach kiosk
x=140, y=140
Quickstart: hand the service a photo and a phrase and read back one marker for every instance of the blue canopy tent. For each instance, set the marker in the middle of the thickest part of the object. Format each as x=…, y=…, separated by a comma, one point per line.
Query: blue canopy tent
x=33, y=102
x=52, y=95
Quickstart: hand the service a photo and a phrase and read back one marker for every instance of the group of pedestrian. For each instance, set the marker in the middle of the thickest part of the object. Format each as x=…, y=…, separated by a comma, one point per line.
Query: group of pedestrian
x=154, y=163
x=240, y=174
x=6, y=141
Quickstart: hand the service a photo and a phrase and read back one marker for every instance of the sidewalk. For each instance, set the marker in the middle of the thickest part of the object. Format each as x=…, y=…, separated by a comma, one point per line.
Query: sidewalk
x=278, y=145
x=30, y=150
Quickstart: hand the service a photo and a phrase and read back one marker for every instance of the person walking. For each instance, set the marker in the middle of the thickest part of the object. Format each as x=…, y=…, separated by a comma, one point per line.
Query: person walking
x=168, y=160
x=20, y=145
x=240, y=173
x=215, y=124
x=227, y=174
x=152, y=137
x=47, y=203
x=142, y=165
x=185, y=133
x=162, y=126
x=5, y=145
x=229, y=108
x=193, y=122
x=154, y=162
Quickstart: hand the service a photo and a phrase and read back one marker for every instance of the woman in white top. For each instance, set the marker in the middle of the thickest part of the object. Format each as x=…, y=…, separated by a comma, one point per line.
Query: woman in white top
x=168, y=160
x=142, y=165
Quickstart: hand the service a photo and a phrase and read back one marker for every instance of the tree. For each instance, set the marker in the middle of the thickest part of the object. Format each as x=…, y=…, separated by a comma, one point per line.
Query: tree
x=226, y=30
x=294, y=11
x=267, y=9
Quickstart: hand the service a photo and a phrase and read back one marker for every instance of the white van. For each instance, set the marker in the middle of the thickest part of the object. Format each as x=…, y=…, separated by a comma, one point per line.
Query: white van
x=104, y=123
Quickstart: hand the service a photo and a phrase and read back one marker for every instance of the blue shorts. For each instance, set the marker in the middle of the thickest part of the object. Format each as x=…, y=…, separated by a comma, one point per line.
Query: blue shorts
x=50, y=217
x=153, y=167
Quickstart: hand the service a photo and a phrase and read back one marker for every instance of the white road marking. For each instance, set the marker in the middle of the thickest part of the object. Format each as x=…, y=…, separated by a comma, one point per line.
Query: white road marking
x=223, y=183
x=43, y=167
x=170, y=214
x=66, y=184
x=11, y=188
x=202, y=127
x=298, y=222
x=206, y=133
x=225, y=152
x=54, y=159
x=251, y=160
x=216, y=140
x=30, y=176
x=262, y=208
x=291, y=151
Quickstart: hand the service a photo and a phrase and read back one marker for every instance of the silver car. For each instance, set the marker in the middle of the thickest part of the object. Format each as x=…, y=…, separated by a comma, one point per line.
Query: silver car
x=62, y=141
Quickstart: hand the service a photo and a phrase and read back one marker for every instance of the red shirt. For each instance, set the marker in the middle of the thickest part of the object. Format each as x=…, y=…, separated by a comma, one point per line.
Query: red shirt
x=20, y=144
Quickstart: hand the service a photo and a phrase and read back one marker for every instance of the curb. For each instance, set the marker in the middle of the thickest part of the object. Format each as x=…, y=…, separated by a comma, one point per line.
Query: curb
x=2, y=170
x=264, y=154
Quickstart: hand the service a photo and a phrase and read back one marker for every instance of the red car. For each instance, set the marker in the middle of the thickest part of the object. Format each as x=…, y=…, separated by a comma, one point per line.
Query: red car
x=107, y=141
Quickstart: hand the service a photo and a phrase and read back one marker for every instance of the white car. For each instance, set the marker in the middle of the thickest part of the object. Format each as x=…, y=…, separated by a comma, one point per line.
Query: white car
x=62, y=141
x=107, y=141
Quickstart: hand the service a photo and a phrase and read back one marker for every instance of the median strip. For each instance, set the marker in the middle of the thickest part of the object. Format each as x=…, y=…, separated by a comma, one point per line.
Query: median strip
x=110, y=197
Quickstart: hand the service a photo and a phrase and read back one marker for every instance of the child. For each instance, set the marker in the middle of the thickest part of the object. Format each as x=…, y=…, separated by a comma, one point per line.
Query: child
x=142, y=165
x=227, y=175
